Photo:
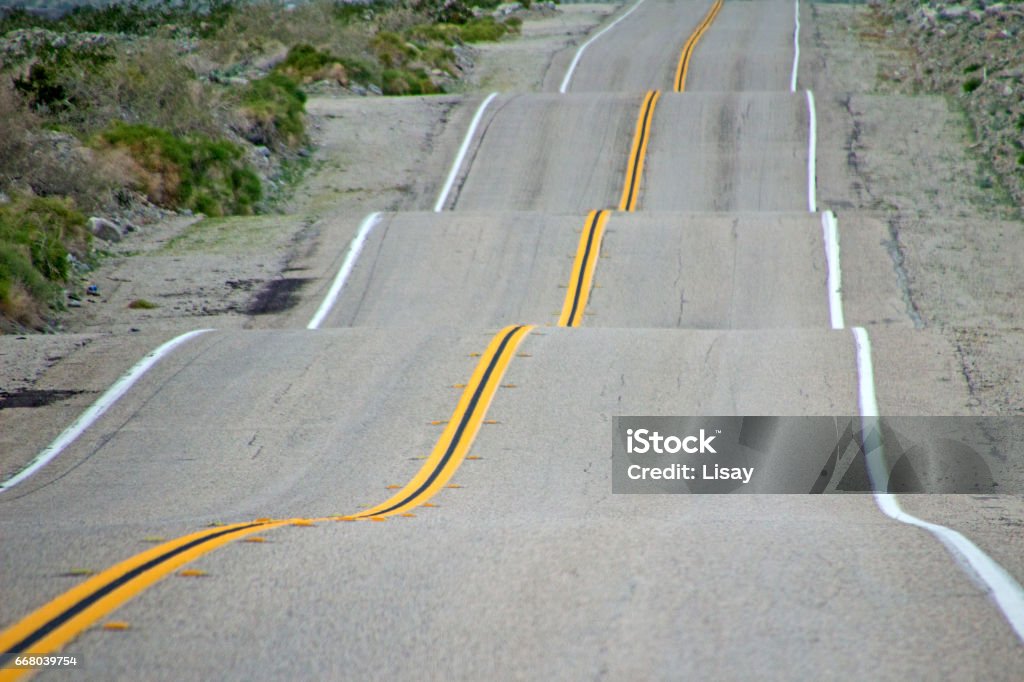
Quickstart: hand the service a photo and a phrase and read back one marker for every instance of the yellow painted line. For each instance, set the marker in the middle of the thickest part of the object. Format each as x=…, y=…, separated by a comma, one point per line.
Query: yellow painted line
x=47, y=629
x=583, y=267
x=691, y=43
x=461, y=430
x=635, y=168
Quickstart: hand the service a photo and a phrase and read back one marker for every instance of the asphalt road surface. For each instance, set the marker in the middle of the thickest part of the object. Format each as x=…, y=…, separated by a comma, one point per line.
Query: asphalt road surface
x=504, y=553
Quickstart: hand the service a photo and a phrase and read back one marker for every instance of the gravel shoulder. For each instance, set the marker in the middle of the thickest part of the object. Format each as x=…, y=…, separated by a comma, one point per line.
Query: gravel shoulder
x=912, y=161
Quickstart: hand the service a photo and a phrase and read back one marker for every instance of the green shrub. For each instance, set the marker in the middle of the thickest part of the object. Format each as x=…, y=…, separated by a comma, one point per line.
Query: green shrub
x=276, y=106
x=972, y=68
x=304, y=59
x=405, y=82
x=49, y=84
x=194, y=172
x=134, y=18
x=439, y=57
x=440, y=33
x=36, y=237
x=482, y=29
x=361, y=70
x=972, y=84
x=444, y=11
x=392, y=50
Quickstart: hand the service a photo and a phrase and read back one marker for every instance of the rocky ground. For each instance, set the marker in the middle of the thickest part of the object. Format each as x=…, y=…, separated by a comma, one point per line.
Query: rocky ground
x=916, y=154
x=974, y=53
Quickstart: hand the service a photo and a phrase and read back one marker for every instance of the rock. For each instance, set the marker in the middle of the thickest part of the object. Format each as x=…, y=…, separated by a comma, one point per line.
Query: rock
x=237, y=81
x=507, y=8
x=375, y=90
x=953, y=12
x=4, y=199
x=104, y=229
x=357, y=89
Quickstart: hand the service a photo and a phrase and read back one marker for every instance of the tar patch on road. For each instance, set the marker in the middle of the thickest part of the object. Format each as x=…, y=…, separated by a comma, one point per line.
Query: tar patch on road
x=277, y=296
x=33, y=398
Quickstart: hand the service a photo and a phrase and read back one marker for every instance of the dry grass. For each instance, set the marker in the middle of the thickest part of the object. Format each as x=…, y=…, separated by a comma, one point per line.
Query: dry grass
x=18, y=306
x=45, y=163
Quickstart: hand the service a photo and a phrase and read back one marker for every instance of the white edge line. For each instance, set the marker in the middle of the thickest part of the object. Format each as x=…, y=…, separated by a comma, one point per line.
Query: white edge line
x=834, y=278
x=812, y=152
x=866, y=400
x=453, y=173
x=97, y=409
x=796, y=45
x=1005, y=591
x=354, y=249
x=584, y=46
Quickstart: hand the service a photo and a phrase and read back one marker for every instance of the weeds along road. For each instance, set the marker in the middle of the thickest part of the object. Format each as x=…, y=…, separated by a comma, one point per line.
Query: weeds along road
x=421, y=486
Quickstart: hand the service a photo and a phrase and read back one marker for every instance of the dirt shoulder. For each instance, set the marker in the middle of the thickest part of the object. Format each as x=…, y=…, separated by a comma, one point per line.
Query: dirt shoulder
x=269, y=271
x=913, y=158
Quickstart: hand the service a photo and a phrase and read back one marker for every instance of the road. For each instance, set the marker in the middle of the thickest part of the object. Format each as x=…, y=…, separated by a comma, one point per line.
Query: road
x=504, y=553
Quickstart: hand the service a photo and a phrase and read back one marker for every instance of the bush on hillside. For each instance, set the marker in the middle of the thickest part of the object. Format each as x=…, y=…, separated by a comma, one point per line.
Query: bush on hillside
x=36, y=237
x=194, y=172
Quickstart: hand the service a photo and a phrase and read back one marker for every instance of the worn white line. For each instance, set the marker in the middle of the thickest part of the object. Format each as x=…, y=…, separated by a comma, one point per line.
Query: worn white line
x=1004, y=590
x=354, y=249
x=97, y=409
x=457, y=164
x=834, y=278
x=584, y=46
x=866, y=400
x=812, y=152
x=796, y=45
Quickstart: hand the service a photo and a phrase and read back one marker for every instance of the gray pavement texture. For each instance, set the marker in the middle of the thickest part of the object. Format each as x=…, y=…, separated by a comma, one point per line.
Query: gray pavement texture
x=710, y=300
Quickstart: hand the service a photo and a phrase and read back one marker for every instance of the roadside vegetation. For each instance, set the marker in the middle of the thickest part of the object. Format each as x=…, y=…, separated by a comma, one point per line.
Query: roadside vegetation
x=972, y=52
x=131, y=110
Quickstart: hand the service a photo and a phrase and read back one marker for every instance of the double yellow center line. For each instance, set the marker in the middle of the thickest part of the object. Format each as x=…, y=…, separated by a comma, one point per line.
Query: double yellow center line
x=48, y=628
x=638, y=152
x=691, y=43
x=461, y=430
x=53, y=625
x=584, y=263
x=583, y=267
